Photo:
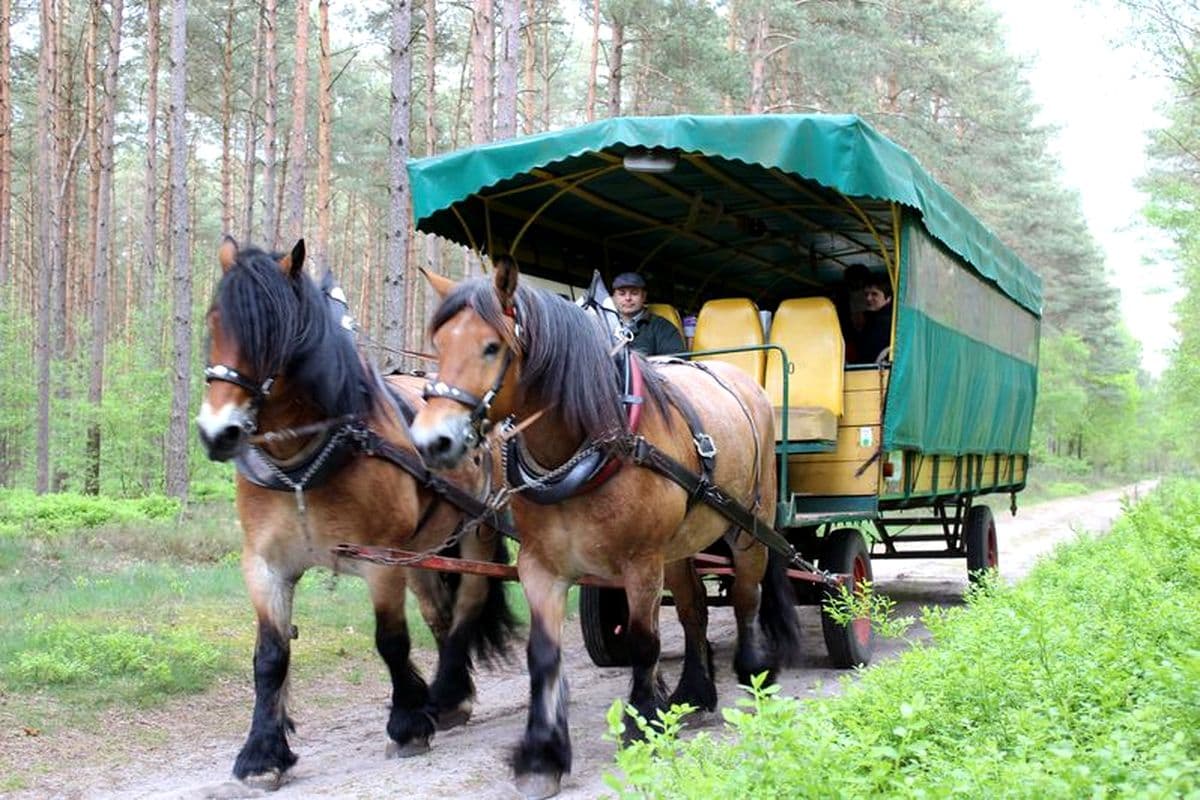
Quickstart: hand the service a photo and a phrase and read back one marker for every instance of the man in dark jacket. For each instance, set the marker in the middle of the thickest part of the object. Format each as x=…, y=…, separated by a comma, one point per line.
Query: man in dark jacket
x=652, y=335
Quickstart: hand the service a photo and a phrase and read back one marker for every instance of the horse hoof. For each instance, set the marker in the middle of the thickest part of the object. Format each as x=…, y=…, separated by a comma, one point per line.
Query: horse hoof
x=267, y=781
x=413, y=747
x=453, y=717
x=538, y=785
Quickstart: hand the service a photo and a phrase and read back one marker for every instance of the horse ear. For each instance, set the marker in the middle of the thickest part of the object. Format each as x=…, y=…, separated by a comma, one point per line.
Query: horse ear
x=440, y=283
x=293, y=263
x=227, y=253
x=506, y=280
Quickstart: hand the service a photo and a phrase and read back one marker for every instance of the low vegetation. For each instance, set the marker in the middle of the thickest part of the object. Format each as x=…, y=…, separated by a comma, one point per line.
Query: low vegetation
x=1084, y=680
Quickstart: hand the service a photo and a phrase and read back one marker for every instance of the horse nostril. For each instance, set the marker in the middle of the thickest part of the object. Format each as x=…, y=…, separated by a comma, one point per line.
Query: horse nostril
x=441, y=445
x=227, y=441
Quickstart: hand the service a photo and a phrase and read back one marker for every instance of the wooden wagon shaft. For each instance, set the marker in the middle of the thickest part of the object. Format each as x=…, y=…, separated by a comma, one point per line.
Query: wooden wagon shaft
x=707, y=564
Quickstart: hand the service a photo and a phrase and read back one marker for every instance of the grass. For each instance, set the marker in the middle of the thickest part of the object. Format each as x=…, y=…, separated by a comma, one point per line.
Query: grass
x=1082, y=681
x=141, y=610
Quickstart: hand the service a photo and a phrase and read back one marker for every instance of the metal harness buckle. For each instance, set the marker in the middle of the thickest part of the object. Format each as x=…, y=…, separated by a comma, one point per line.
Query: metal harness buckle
x=705, y=445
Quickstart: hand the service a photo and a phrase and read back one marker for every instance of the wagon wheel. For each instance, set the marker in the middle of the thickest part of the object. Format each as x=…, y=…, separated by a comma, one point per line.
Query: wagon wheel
x=846, y=553
x=603, y=615
x=979, y=533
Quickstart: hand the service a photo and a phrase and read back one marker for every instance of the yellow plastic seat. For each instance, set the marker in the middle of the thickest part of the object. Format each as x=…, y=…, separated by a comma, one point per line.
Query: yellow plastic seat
x=731, y=322
x=808, y=330
x=667, y=312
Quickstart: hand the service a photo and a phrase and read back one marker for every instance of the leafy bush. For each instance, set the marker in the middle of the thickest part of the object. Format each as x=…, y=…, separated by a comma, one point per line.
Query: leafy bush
x=56, y=513
x=1084, y=680
x=144, y=665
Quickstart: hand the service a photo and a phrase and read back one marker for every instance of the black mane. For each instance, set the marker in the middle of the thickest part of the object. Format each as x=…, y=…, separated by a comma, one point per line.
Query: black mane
x=283, y=326
x=566, y=363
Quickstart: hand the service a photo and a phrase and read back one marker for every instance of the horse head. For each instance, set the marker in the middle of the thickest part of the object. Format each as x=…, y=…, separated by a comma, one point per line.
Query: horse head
x=477, y=335
x=274, y=334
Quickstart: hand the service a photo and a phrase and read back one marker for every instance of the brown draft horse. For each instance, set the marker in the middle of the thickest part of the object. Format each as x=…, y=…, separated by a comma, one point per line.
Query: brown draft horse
x=281, y=359
x=508, y=350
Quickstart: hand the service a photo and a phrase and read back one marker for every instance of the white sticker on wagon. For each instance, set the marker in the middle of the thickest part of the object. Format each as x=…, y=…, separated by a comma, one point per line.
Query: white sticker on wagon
x=866, y=436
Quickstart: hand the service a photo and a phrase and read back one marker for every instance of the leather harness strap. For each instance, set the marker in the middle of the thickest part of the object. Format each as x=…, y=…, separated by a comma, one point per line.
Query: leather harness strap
x=373, y=444
x=645, y=454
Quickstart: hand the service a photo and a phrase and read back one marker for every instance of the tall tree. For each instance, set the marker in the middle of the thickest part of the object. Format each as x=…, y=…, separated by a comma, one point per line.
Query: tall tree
x=298, y=143
x=398, y=204
x=270, y=116
x=324, y=138
x=103, y=241
x=47, y=163
x=250, y=150
x=6, y=157
x=506, y=83
x=593, y=62
x=483, y=41
x=227, y=121
x=149, y=272
x=177, y=478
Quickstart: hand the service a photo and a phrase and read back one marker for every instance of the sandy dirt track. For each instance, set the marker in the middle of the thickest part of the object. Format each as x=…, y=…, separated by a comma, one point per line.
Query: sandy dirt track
x=186, y=751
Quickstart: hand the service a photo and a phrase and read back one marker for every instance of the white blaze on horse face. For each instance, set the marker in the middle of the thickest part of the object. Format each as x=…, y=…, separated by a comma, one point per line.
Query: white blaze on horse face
x=213, y=421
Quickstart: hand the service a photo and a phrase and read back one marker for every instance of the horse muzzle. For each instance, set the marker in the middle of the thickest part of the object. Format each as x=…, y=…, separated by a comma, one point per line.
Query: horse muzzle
x=443, y=443
x=224, y=435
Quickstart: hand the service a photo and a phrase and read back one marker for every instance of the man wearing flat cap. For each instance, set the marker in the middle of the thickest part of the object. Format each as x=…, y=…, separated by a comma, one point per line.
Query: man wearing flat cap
x=652, y=335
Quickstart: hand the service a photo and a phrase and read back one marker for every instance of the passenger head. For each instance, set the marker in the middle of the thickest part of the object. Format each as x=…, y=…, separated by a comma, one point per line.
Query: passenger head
x=877, y=292
x=629, y=293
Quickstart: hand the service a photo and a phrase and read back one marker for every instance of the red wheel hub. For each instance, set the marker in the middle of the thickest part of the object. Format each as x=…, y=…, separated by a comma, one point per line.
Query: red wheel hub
x=861, y=626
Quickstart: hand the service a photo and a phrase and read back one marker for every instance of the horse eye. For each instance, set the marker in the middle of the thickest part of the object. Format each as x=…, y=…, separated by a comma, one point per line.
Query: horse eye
x=491, y=349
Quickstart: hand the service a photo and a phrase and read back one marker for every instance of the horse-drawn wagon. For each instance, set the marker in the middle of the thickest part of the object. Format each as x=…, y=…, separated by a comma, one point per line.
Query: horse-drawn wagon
x=766, y=448
x=879, y=456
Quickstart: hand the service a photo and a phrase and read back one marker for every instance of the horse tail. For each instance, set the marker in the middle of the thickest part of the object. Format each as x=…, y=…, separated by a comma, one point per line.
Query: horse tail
x=777, y=612
x=495, y=629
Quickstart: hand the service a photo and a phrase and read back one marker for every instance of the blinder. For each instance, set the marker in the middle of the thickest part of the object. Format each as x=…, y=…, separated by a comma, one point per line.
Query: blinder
x=259, y=392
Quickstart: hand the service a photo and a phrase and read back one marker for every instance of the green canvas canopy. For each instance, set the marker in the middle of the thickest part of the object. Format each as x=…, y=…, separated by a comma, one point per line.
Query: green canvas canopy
x=759, y=201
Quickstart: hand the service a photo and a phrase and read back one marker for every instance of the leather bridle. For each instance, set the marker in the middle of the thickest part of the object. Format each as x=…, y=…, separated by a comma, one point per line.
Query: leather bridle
x=259, y=391
x=479, y=407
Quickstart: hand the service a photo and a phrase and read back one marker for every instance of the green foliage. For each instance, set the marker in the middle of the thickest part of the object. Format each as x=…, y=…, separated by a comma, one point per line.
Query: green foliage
x=847, y=606
x=141, y=665
x=24, y=511
x=1084, y=680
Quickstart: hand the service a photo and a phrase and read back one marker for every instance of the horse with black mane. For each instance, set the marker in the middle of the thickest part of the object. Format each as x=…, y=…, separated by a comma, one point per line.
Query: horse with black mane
x=511, y=351
x=307, y=422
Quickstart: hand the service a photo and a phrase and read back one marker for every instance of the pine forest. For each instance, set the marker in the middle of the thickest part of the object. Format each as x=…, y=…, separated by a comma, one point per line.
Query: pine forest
x=134, y=135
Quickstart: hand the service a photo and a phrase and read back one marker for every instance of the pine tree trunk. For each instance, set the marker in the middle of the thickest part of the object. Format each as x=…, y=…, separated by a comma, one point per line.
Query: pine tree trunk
x=758, y=63
x=177, y=432
x=615, y=65
x=483, y=36
x=324, y=140
x=250, y=152
x=394, y=288
x=270, y=111
x=416, y=289
x=47, y=166
x=593, y=62
x=227, y=124
x=528, y=103
x=91, y=124
x=6, y=161
x=297, y=144
x=506, y=84
x=149, y=276
x=104, y=237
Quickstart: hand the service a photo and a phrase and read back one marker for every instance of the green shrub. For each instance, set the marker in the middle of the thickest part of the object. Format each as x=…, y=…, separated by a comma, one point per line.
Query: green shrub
x=22, y=510
x=1082, y=681
x=144, y=665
